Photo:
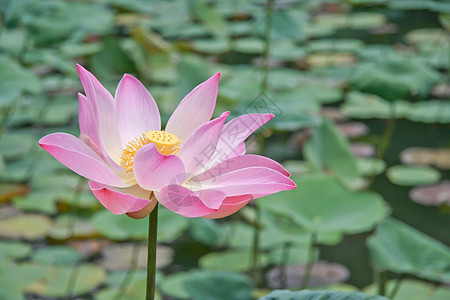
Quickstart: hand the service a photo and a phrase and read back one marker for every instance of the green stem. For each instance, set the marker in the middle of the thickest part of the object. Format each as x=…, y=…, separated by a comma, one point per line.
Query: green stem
x=151, y=257
x=311, y=261
x=130, y=272
x=395, y=288
x=284, y=263
x=255, y=247
x=382, y=280
x=385, y=140
x=265, y=56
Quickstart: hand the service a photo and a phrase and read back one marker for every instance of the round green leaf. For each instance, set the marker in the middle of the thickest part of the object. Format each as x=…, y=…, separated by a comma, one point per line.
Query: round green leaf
x=60, y=281
x=119, y=227
x=27, y=226
x=14, y=249
x=409, y=289
x=218, y=286
x=401, y=249
x=238, y=261
x=413, y=175
x=57, y=255
x=320, y=204
x=313, y=295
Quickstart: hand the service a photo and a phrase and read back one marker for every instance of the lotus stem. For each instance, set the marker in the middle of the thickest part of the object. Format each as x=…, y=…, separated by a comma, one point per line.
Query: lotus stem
x=311, y=261
x=151, y=257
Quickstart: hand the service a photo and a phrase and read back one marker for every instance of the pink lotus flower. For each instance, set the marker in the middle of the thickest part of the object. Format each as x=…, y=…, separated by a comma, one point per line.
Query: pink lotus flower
x=197, y=167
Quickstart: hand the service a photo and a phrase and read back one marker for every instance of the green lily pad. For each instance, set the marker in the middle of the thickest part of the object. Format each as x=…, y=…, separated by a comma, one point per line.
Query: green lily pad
x=401, y=249
x=204, y=230
x=170, y=225
x=120, y=227
x=250, y=45
x=218, y=286
x=413, y=175
x=409, y=289
x=15, y=80
x=15, y=145
x=14, y=249
x=370, y=166
x=329, y=151
x=237, y=261
x=320, y=204
x=395, y=78
x=56, y=255
x=61, y=281
x=312, y=295
x=199, y=284
x=26, y=226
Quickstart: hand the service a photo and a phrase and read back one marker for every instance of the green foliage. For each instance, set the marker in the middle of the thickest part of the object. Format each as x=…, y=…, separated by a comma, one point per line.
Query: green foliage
x=401, y=249
x=313, y=295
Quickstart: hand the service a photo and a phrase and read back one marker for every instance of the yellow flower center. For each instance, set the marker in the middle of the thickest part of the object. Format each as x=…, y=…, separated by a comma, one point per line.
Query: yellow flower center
x=165, y=142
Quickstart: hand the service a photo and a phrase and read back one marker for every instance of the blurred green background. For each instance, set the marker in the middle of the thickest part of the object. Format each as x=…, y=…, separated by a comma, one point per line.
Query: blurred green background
x=361, y=94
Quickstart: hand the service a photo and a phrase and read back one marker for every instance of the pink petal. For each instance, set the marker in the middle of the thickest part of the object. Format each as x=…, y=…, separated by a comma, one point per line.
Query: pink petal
x=183, y=201
x=200, y=146
x=86, y=120
x=211, y=198
x=229, y=206
x=81, y=159
x=195, y=109
x=154, y=170
x=241, y=162
x=238, y=151
x=253, y=180
x=103, y=109
x=137, y=112
x=235, y=132
x=121, y=201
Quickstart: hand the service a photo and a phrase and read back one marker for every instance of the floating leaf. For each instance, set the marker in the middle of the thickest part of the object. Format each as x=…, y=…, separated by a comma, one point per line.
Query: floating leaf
x=426, y=156
x=402, y=249
x=119, y=227
x=218, y=286
x=26, y=226
x=323, y=205
x=395, y=78
x=328, y=150
x=14, y=249
x=409, y=289
x=59, y=281
x=322, y=274
x=204, y=230
x=413, y=175
x=56, y=255
x=437, y=194
x=238, y=261
x=313, y=295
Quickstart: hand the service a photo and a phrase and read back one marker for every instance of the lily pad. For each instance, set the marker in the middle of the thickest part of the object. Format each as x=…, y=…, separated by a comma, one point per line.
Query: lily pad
x=322, y=274
x=210, y=285
x=413, y=175
x=328, y=150
x=395, y=78
x=237, y=261
x=426, y=156
x=56, y=255
x=432, y=195
x=401, y=249
x=409, y=289
x=14, y=249
x=323, y=205
x=218, y=286
x=60, y=281
x=119, y=227
x=26, y=226
x=313, y=295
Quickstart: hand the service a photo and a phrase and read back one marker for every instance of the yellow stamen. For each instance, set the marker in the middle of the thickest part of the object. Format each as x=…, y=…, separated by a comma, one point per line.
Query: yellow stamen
x=165, y=142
